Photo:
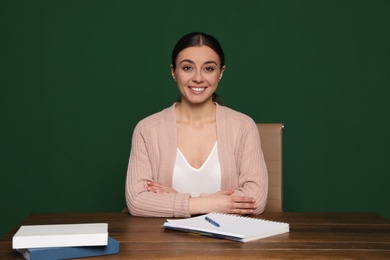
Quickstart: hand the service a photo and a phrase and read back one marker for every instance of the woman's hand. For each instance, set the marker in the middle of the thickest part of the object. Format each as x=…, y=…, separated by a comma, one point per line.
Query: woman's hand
x=224, y=202
x=158, y=188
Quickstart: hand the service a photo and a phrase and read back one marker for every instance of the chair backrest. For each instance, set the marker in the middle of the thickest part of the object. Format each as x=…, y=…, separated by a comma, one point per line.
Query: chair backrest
x=271, y=143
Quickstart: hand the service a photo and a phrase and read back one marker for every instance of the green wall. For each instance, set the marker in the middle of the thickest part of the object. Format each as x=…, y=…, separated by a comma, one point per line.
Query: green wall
x=76, y=76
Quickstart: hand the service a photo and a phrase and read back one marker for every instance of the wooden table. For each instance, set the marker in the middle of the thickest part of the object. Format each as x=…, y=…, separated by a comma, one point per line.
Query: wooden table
x=312, y=235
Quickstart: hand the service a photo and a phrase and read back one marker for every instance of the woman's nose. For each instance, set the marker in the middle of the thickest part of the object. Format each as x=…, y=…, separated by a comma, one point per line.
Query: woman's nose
x=198, y=77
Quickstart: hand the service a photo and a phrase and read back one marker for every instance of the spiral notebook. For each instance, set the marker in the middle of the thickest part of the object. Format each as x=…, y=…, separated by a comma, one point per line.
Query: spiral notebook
x=228, y=226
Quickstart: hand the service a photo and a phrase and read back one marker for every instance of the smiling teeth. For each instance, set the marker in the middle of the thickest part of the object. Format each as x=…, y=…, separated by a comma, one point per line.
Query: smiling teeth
x=197, y=89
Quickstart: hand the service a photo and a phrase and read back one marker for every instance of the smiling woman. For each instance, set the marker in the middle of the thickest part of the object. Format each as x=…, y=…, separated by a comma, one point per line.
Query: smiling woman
x=196, y=156
x=199, y=39
x=198, y=73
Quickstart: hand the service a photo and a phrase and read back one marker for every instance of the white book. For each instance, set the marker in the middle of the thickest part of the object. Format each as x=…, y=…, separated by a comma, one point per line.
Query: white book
x=35, y=236
x=229, y=226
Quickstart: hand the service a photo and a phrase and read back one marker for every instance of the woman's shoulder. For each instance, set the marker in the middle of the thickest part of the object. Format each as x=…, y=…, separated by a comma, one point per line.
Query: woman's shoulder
x=236, y=124
x=157, y=119
x=234, y=116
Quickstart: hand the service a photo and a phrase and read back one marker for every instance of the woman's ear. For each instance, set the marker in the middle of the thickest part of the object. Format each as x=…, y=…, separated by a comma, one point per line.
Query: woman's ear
x=222, y=71
x=173, y=72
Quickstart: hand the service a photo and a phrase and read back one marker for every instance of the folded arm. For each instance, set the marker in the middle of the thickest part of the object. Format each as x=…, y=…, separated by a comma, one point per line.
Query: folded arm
x=140, y=201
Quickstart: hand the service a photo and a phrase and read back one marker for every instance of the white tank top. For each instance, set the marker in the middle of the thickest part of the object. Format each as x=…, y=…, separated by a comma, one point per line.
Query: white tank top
x=206, y=179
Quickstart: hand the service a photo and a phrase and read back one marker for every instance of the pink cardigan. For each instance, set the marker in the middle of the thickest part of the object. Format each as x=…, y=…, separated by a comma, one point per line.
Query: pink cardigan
x=153, y=155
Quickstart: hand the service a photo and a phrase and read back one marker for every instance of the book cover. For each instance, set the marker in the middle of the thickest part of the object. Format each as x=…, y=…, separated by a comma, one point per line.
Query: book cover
x=54, y=253
x=35, y=236
x=228, y=226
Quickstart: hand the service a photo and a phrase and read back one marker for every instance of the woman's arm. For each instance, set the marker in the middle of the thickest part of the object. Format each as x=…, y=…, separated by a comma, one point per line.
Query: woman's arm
x=141, y=169
x=252, y=170
x=222, y=201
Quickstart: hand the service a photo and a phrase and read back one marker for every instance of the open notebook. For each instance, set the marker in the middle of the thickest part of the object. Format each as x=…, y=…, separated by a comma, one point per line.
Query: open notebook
x=228, y=226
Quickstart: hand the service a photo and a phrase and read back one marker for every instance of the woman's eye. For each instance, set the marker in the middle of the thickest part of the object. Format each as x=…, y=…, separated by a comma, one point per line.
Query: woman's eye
x=209, y=69
x=187, y=68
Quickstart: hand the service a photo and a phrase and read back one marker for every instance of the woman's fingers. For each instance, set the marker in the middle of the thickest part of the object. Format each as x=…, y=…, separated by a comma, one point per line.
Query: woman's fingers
x=242, y=211
x=243, y=205
x=242, y=199
x=158, y=188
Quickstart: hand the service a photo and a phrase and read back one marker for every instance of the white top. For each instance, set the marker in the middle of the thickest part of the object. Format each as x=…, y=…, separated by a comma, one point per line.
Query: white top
x=205, y=180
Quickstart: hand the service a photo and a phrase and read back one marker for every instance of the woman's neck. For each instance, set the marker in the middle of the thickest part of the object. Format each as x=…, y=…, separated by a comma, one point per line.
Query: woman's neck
x=195, y=114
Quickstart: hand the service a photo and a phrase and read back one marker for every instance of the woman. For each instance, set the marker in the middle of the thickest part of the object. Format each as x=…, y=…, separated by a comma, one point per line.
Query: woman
x=196, y=156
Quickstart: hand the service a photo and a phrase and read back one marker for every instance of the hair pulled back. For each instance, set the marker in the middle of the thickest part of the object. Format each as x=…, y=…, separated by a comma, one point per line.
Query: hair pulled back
x=198, y=39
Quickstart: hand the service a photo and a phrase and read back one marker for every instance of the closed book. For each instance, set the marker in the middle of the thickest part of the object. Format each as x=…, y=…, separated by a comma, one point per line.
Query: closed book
x=228, y=226
x=35, y=236
x=54, y=253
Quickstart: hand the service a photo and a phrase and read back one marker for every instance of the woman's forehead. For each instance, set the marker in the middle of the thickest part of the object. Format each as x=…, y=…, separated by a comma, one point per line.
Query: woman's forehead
x=198, y=53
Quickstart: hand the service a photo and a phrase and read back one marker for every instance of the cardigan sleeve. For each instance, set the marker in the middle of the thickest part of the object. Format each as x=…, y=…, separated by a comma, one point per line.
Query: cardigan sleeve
x=252, y=170
x=143, y=166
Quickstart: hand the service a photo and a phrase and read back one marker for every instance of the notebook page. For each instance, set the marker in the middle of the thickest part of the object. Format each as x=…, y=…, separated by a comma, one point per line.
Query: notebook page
x=233, y=225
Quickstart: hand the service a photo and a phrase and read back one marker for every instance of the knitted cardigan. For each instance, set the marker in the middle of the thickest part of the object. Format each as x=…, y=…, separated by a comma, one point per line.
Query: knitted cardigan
x=153, y=155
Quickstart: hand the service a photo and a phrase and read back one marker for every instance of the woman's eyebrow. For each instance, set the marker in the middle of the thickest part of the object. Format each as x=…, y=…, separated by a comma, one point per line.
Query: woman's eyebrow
x=211, y=61
x=190, y=61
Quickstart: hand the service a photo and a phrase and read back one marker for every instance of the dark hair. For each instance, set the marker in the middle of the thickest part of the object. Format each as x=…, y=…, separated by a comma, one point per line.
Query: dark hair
x=199, y=39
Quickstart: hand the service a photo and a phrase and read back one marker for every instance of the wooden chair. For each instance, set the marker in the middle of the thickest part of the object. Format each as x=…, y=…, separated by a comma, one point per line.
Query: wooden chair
x=271, y=143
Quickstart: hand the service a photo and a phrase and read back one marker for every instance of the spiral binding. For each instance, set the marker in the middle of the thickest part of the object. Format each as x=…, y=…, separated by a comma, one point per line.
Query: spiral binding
x=245, y=217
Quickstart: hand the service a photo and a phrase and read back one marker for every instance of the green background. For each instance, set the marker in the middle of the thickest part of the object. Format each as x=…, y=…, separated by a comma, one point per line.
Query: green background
x=76, y=77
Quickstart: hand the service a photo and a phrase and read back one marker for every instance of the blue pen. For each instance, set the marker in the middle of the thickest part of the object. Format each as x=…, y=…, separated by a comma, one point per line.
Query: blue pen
x=212, y=221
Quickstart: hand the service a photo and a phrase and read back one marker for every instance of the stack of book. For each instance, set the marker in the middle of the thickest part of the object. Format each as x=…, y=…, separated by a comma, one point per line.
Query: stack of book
x=64, y=241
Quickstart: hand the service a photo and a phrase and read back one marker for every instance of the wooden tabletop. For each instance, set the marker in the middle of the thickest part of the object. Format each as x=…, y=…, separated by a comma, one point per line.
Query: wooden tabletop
x=312, y=235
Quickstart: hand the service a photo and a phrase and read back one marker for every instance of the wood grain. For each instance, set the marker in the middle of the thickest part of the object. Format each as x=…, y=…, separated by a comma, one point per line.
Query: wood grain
x=312, y=235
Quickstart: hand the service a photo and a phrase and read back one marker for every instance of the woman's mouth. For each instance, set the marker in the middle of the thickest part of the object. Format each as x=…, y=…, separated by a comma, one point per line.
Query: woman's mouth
x=197, y=89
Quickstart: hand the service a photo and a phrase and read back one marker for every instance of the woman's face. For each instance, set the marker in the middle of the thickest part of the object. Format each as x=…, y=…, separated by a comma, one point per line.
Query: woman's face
x=197, y=73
